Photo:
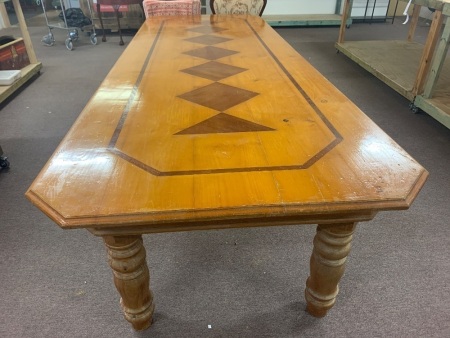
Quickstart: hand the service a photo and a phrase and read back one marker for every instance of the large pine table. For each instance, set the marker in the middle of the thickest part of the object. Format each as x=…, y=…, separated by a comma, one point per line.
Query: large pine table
x=215, y=122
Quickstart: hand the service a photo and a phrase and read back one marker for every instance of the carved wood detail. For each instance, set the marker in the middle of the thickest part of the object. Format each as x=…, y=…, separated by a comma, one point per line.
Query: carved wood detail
x=331, y=247
x=127, y=258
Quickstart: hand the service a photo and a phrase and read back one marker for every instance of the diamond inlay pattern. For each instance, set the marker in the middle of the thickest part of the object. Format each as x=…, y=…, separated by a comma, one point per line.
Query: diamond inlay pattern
x=218, y=96
x=213, y=70
x=221, y=97
x=207, y=29
x=210, y=52
x=223, y=123
x=208, y=39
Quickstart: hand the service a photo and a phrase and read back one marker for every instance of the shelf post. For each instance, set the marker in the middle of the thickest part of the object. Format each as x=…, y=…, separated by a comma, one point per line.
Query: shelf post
x=428, y=52
x=438, y=61
x=24, y=31
x=345, y=15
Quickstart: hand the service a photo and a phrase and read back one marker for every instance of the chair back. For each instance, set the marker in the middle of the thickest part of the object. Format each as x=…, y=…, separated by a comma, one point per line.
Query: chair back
x=252, y=7
x=170, y=7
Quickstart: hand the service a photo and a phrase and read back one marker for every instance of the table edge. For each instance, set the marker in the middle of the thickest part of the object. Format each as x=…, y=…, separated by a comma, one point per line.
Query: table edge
x=295, y=213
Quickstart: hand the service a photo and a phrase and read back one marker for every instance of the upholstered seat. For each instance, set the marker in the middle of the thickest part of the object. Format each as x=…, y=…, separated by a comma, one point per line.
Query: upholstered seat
x=171, y=7
x=252, y=7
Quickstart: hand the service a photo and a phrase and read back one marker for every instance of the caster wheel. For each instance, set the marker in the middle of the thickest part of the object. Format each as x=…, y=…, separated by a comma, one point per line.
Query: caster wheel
x=48, y=40
x=4, y=163
x=414, y=108
x=93, y=39
x=69, y=44
x=73, y=35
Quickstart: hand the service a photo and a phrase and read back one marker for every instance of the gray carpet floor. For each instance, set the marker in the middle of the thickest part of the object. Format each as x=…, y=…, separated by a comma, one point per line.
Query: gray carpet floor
x=229, y=283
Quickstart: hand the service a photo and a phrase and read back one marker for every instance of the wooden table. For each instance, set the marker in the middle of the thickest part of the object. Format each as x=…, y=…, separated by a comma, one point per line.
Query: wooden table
x=116, y=6
x=215, y=122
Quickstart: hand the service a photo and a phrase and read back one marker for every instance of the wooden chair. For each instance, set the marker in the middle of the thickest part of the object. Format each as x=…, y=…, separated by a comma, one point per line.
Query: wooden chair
x=252, y=7
x=171, y=7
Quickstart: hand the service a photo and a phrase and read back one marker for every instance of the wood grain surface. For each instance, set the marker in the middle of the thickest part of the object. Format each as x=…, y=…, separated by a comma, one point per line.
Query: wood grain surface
x=209, y=121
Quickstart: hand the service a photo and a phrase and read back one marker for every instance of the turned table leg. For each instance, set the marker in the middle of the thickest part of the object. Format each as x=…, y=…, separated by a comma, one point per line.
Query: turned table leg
x=99, y=12
x=116, y=9
x=127, y=258
x=331, y=246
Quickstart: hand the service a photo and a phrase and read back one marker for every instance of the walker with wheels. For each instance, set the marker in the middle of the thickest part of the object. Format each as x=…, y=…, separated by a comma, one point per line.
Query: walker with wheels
x=71, y=19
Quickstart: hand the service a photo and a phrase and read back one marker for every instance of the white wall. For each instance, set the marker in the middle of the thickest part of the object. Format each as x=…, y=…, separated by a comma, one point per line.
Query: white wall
x=283, y=7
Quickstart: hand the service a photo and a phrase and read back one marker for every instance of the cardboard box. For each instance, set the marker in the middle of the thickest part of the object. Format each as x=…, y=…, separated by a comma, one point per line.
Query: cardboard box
x=8, y=77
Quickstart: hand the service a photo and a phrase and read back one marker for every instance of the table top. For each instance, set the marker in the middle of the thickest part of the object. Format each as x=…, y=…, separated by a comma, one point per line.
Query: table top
x=213, y=120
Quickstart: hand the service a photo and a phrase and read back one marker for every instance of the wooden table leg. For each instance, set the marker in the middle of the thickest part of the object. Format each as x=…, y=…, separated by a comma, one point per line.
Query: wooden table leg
x=127, y=258
x=116, y=9
x=331, y=246
x=99, y=12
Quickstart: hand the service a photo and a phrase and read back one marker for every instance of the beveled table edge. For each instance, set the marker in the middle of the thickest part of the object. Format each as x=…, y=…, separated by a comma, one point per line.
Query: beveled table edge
x=294, y=213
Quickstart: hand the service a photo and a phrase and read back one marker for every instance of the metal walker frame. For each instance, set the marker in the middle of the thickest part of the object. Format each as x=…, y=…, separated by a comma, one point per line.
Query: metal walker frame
x=72, y=32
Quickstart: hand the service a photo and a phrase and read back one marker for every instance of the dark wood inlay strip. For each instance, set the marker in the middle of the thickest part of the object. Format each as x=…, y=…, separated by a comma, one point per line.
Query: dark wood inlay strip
x=155, y=172
x=134, y=91
x=297, y=85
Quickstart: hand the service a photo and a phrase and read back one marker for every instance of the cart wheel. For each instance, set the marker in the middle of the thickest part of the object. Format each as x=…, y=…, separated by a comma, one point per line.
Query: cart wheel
x=4, y=163
x=69, y=44
x=48, y=40
x=414, y=108
x=93, y=38
x=73, y=35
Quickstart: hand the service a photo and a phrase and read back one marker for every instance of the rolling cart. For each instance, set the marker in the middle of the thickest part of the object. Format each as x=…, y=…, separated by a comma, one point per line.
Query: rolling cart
x=70, y=19
x=4, y=163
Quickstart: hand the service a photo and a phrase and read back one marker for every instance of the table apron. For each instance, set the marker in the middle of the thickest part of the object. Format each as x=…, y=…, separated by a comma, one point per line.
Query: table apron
x=322, y=219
